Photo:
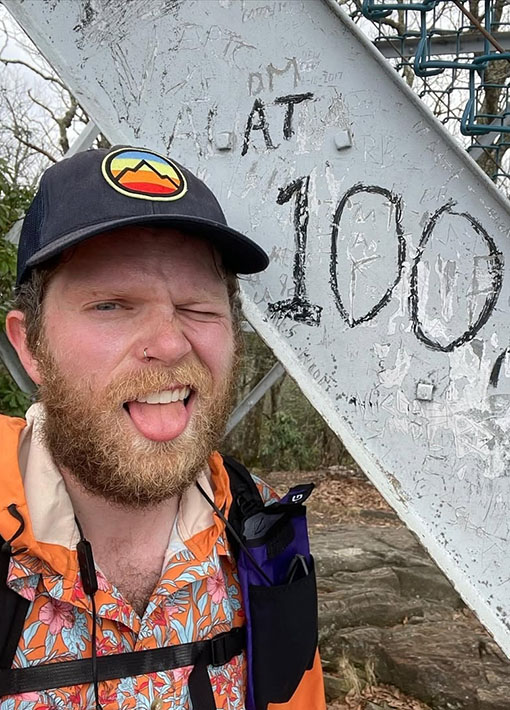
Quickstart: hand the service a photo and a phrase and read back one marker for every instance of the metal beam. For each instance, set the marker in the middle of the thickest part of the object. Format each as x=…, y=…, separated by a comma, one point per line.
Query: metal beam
x=11, y=361
x=448, y=43
x=85, y=140
x=256, y=393
x=488, y=139
x=380, y=374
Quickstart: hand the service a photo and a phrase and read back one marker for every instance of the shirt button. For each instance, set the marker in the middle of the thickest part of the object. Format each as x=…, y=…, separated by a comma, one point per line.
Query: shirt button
x=157, y=704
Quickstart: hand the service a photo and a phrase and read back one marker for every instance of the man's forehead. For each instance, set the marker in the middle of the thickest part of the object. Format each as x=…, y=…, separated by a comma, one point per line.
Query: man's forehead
x=141, y=255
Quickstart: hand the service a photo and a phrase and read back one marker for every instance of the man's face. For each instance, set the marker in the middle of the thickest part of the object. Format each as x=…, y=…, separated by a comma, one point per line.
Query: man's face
x=133, y=430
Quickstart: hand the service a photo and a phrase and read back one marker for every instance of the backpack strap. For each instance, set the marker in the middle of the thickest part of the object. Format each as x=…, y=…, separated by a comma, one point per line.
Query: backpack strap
x=215, y=651
x=246, y=499
x=14, y=610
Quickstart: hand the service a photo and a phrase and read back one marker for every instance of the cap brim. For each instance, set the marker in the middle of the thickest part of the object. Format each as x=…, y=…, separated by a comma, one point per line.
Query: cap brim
x=240, y=254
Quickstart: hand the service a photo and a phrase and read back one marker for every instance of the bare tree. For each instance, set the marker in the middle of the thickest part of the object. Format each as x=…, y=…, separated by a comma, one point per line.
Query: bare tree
x=446, y=93
x=39, y=116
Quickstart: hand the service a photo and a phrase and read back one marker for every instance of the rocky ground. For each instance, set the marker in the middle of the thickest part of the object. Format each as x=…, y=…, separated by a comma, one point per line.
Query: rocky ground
x=394, y=634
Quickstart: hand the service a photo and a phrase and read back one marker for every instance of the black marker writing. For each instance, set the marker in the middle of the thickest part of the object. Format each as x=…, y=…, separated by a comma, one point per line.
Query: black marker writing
x=495, y=267
x=298, y=307
x=396, y=201
x=260, y=125
x=291, y=101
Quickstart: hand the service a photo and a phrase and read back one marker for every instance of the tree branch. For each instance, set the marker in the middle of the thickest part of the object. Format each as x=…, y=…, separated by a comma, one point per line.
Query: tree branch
x=46, y=77
x=32, y=146
x=43, y=106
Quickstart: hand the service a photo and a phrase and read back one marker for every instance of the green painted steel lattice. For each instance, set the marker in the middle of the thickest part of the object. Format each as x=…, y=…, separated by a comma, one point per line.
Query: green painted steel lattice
x=454, y=68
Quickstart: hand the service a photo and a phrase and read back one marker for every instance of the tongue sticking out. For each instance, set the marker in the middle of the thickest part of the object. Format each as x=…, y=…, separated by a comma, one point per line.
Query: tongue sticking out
x=159, y=422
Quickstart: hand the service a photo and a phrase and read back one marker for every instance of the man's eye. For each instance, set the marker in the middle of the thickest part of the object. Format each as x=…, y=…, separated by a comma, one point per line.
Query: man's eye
x=199, y=313
x=106, y=306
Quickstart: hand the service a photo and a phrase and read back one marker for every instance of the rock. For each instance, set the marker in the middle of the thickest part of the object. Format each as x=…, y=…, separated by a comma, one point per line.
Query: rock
x=381, y=578
x=493, y=699
x=378, y=515
x=383, y=601
x=441, y=663
x=358, y=645
x=347, y=559
x=427, y=582
x=334, y=687
x=352, y=549
x=373, y=607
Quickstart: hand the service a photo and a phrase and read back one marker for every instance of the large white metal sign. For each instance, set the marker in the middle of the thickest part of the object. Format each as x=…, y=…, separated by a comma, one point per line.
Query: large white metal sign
x=387, y=298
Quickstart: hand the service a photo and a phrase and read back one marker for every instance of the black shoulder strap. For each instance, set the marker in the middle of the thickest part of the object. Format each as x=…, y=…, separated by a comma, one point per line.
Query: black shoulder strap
x=241, y=480
x=246, y=498
x=14, y=610
x=216, y=651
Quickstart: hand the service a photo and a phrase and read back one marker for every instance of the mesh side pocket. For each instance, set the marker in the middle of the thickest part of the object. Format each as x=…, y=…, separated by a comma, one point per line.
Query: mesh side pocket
x=284, y=625
x=29, y=243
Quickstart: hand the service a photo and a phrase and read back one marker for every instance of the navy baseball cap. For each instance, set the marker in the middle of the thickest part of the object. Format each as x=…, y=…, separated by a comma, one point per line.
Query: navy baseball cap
x=102, y=189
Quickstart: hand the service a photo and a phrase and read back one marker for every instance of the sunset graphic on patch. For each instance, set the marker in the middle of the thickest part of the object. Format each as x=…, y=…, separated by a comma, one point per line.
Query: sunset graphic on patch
x=143, y=174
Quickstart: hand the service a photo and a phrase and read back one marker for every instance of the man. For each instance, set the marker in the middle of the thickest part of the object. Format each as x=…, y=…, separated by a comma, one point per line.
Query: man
x=127, y=319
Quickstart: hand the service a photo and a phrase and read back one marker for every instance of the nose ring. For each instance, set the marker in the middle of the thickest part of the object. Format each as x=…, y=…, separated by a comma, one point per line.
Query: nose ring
x=146, y=357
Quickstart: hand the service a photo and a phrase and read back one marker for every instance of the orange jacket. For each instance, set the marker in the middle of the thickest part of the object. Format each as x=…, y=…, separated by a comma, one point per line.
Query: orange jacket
x=198, y=595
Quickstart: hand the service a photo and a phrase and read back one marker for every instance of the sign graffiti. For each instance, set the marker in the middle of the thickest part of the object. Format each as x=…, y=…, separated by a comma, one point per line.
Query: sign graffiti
x=301, y=310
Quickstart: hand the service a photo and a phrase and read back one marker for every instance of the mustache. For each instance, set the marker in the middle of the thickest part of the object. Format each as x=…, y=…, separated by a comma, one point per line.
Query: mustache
x=125, y=387
x=138, y=383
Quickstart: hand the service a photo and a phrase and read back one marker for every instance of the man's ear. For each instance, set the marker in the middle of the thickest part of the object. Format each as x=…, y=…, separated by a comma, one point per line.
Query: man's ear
x=15, y=328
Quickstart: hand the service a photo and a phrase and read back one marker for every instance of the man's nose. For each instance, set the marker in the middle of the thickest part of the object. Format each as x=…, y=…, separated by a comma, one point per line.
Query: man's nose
x=164, y=339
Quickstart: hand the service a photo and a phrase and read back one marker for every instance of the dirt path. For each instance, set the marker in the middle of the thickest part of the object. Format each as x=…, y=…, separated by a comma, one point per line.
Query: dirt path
x=341, y=495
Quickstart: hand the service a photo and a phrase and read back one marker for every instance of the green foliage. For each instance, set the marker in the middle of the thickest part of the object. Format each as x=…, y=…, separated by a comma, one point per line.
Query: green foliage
x=7, y=276
x=13, y=401
x=295, y=437
x=14, y=200
x=283, y=445
x=282, y=431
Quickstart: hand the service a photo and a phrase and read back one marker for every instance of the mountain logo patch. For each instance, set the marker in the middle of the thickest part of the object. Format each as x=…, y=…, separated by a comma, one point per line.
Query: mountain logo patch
x=143, y=174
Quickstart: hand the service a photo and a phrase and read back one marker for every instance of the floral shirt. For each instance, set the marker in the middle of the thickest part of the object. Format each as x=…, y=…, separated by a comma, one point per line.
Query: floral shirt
x=197, y=597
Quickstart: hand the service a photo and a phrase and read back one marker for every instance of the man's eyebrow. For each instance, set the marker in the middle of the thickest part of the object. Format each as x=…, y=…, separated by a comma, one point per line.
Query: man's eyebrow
x=191, y=295
x=201, y=300
x=91, y=291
